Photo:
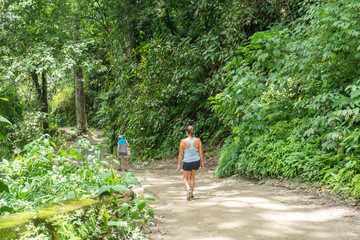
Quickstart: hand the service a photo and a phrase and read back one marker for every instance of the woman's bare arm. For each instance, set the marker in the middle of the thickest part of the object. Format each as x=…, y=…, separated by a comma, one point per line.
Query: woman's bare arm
x=201, y=154
x=181, y=155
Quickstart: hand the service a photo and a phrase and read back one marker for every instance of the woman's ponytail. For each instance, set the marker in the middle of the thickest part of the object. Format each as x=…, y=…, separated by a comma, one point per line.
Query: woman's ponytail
x=190, y=130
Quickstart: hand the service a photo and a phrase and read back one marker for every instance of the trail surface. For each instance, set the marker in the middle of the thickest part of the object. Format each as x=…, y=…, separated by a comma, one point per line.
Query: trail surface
x=240, y=209
x=237, y=209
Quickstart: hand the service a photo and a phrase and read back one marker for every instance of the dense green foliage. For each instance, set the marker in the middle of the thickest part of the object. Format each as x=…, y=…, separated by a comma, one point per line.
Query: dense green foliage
x=176, y=55
x=38, y=176
x=149, y=66
x=11, y=111
x=293, y=100
x=100, y=223
x=276, y=81
x=39, y=49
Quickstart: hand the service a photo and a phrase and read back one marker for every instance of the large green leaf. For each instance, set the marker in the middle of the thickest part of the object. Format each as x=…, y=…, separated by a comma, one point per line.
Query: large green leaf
x=23, y=194
x=118, y=223
x=3, y=187
x=2, y=119
x=119, y=188
x=114, y=188
x=104, y=189
x=6, y=209
x=131, y=179
x=150, y=212
x=141, y=205
x=2, y=136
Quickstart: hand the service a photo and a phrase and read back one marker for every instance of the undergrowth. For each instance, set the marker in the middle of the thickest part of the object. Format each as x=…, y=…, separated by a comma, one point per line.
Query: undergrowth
x=293, y=101
x=290, y=156
x=38, y=176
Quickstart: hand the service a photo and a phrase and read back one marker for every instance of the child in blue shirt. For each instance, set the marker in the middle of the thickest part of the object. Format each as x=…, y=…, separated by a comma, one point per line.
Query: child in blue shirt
x=122, y=151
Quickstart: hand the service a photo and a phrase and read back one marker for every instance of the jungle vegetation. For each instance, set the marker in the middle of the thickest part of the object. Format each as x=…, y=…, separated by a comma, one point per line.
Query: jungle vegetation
x=275, y=83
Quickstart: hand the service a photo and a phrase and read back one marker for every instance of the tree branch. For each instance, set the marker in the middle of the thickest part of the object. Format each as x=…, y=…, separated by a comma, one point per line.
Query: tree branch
x=2, y=9
x=96, y=20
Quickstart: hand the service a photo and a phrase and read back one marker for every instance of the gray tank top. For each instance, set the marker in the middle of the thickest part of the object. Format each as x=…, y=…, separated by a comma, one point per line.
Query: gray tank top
x=191, y=154
x=123, y=148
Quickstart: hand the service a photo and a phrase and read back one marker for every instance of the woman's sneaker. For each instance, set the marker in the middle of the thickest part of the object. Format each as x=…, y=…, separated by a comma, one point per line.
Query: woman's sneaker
x=188, y=194
x=192, y=197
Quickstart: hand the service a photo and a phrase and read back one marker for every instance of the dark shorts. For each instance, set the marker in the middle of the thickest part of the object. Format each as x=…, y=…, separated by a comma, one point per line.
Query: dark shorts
x=191, y=166
x=122, y=155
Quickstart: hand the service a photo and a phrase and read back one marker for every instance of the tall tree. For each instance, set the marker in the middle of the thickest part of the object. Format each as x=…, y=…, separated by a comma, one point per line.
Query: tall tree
x=42, y=92
x=28, y=52
x=81, y=119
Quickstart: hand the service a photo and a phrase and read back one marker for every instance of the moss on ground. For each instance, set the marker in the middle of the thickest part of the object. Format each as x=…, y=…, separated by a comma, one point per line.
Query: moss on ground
x=11, y=226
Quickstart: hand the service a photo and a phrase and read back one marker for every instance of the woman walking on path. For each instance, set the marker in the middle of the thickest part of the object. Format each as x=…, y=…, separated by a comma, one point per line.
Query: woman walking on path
x=191, y=154
x=122, y=151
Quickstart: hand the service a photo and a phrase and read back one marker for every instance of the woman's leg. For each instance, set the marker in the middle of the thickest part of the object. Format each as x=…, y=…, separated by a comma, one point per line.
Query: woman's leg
x=186, y=175
x=192, y=180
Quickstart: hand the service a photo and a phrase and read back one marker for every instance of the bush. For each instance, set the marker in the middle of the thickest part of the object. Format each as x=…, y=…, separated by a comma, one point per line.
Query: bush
x=292, y=101
x=63, y=108
x=38, y=176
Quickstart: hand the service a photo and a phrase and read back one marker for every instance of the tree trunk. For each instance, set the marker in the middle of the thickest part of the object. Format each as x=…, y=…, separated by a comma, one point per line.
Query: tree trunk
x=45, y=102
x=169, y=23
x=43, y=97
x=132, y=41
x=81, y=120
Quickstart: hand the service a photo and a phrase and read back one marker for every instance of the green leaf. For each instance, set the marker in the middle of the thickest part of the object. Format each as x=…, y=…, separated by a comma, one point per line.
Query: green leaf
x=134, y=213
x=2, y=119
x=118, y=223
x=54, y=145
x=2, y=136
x=150, y=212
x=148, y=197
x=6, y=209
x=277, y=53
x=263, y=56
x=103, y=189
x=23, y=194
x=125, y=207
x=3, y=187
x=115, y=180
x=119, y=188
x=4, y=99
x=141, y=205
x=46, y=143
x=105, y=174
x=131, y=179
x=355, y=94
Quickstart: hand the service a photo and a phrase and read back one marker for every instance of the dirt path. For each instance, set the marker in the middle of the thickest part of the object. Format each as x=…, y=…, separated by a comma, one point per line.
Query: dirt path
x=240, y=209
